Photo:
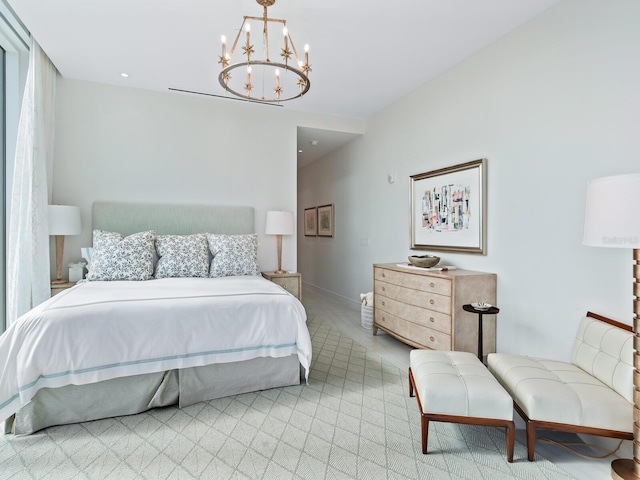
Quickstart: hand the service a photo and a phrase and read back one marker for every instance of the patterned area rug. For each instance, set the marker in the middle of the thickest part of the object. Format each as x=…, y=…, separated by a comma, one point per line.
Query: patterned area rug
x=354, y=420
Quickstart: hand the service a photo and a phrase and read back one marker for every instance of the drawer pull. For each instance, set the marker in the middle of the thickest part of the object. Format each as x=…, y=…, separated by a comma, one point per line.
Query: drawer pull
x=432, y=339
x=432, y=284
x=384, y=289
x=384, y=318
x=383, y=304
x=383, y=275
x=431, y=319
x=431, y=301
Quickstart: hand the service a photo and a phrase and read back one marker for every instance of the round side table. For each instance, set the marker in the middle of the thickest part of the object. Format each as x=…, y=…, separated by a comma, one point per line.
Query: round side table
x=488, y=311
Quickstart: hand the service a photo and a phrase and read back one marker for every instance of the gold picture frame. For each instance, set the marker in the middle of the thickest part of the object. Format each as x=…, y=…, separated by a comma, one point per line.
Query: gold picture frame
x=448, y=209
x=310, y=222
x=325, y=220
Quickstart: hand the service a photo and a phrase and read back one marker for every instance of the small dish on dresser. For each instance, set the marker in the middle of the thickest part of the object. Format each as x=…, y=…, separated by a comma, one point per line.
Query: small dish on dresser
x=481, y=306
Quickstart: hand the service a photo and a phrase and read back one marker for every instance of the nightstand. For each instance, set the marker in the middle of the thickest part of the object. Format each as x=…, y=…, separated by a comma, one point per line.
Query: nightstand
x=58, y=287
x=291, y=282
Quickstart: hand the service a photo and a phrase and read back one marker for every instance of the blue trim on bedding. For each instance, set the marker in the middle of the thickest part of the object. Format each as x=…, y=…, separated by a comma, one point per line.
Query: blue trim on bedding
x=138, y=362
x=8, y=402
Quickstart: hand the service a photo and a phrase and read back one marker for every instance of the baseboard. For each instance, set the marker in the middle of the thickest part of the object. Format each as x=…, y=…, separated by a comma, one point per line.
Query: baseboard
x=345, y=301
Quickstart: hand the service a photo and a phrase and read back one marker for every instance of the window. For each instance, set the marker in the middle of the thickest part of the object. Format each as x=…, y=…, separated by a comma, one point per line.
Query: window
x=14, y=62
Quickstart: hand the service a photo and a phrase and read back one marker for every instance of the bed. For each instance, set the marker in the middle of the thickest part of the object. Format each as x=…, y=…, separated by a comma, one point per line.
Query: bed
x=111, y=348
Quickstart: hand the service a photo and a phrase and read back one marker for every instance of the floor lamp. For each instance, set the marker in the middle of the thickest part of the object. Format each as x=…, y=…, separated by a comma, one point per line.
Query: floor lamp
x=612, y=219
x=63, y=220
x=279, y=223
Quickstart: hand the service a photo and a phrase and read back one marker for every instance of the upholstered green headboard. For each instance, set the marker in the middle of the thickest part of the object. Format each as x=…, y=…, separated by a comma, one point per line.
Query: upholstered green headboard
x=128, y=218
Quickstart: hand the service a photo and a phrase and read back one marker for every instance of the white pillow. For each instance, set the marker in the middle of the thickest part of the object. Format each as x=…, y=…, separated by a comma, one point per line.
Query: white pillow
x=233, y=255
x=182, y=256
x=116, y=257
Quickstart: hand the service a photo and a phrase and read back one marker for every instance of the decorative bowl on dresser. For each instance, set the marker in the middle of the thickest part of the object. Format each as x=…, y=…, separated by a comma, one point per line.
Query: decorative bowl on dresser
x=424, y=261
x=423, y=308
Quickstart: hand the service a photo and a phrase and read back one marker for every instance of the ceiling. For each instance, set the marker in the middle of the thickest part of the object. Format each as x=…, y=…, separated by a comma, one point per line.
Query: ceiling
x=365, y=54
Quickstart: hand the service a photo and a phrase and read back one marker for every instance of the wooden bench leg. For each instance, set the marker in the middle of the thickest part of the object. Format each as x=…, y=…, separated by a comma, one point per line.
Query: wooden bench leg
x=531, y=440
x=424, y=423
x=410, y=383
x=511, y=440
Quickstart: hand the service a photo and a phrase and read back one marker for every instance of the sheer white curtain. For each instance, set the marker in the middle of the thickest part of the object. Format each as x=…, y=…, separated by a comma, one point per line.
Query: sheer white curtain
x=28, y=268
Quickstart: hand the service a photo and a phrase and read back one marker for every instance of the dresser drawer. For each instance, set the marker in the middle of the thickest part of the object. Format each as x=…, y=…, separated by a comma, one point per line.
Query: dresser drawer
x=412, y=314
x=441, y=286
x=412, y=333
x=418, y=298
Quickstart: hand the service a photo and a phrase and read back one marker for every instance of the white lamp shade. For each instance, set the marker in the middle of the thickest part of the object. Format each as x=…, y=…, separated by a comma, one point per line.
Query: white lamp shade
x=64, y=220
x=612, y=215
x=279, y=223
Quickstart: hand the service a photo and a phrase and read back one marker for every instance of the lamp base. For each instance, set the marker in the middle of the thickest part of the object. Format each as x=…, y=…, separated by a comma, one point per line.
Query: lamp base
x=280, y=272
x=622, y=469
x=58, y=281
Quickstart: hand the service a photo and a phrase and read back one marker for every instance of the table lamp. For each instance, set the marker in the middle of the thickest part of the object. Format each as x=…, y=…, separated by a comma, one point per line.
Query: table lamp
x=63, y=220
x=279, y=223
x=612, y=219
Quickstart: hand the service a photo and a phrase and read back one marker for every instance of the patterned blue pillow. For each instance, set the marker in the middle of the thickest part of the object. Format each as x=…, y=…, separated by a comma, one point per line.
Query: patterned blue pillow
x=182, y=256
x=116, y=257
x=233, y=255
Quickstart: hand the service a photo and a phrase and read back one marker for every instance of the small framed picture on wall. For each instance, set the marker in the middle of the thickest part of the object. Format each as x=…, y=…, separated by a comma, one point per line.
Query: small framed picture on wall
x=310, y=222
x=325, y=221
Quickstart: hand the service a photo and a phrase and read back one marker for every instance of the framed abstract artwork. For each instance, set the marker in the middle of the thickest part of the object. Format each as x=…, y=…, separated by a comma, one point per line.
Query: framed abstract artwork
x=448, y=209
x=325, y=221
x=310, y=222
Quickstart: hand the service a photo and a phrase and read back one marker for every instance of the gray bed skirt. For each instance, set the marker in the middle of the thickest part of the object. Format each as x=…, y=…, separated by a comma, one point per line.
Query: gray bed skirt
x=138, y=393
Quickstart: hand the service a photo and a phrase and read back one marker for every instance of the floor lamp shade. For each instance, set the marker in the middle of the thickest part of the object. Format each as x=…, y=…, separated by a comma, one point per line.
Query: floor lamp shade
x=612, y=215
x=612, y=220
x=279, y=223
x=63, y=220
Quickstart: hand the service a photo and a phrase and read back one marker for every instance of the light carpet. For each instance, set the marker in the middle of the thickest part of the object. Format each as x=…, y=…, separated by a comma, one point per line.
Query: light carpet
x=354, y=420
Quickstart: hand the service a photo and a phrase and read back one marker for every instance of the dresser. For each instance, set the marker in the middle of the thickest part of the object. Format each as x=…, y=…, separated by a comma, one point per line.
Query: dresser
x=423, y=308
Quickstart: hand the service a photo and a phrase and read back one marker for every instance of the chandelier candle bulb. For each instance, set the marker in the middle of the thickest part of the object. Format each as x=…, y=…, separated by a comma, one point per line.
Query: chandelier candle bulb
x=247, y=28
x=224, y=46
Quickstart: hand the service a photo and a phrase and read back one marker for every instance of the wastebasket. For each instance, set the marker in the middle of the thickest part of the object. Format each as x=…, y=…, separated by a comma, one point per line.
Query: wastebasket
x=366, y=310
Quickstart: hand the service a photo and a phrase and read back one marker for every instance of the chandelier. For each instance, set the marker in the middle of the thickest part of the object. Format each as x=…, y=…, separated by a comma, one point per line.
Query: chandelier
x=262, y=78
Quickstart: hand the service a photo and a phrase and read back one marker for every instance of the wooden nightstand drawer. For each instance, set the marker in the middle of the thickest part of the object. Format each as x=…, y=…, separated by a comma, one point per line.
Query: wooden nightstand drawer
x=59, y=287
x=291, y=282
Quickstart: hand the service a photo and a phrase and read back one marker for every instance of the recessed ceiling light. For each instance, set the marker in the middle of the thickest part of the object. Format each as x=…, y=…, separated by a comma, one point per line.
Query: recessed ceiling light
x=314, y=142
x=299, y=151
x=124, y=75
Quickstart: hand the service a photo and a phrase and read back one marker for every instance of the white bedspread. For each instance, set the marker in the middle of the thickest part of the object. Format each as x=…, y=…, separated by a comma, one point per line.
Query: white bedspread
x=101, y=330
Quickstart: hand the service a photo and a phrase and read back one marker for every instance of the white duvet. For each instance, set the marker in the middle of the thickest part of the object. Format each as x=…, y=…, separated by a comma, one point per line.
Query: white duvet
x=101, y=330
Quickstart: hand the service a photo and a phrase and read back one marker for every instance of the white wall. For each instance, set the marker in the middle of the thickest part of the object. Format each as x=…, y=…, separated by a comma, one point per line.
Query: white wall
x=551, y=105
x=125, y=144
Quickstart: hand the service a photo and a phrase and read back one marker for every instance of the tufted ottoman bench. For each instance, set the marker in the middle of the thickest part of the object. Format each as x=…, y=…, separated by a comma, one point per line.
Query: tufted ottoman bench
x=456, y=387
